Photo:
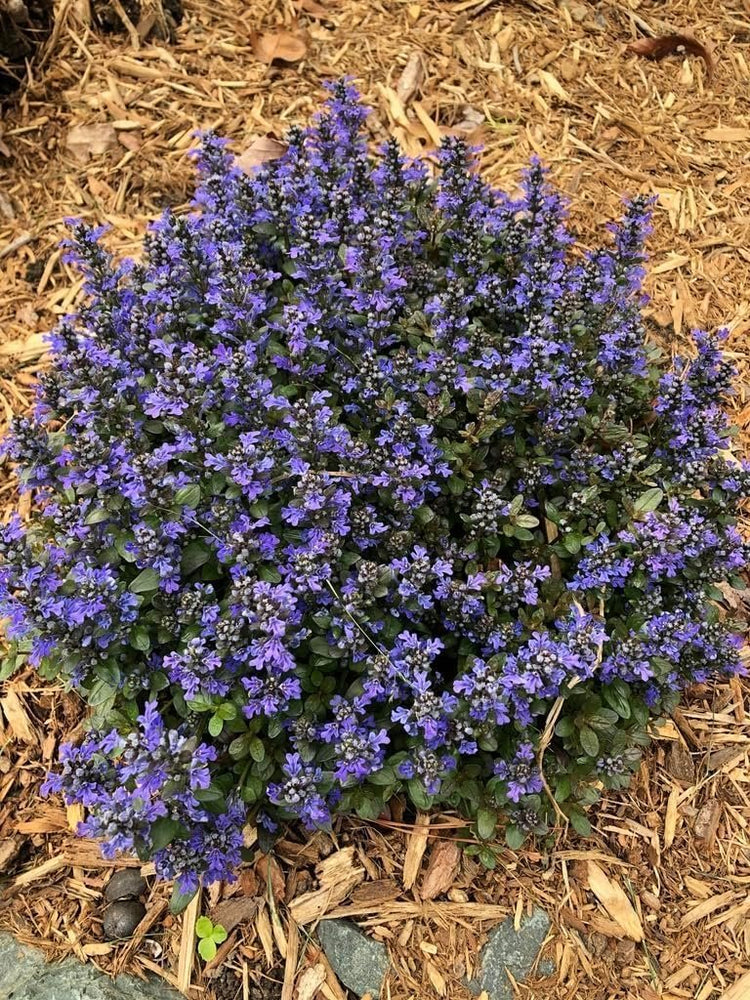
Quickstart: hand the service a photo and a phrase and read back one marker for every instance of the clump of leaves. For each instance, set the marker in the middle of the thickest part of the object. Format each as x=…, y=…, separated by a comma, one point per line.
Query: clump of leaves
x=209, y=935
x=353, y=483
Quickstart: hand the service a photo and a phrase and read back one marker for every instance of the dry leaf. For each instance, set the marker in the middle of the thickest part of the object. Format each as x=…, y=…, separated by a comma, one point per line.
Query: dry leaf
x=84, y=141
x=18, y=719
x=313, y=8
x=310, y=982
x=722, y=134
x=615, y=902
x=287, y=46
x=441, y=869
x=411, y=77
x=260, y=151
x=658, y=48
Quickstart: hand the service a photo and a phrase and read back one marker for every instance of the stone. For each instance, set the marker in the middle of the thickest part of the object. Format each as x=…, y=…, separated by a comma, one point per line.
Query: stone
x=126, y=884
x=24, y=975
x=359, y=962
x=122, y=918
x=513, y=950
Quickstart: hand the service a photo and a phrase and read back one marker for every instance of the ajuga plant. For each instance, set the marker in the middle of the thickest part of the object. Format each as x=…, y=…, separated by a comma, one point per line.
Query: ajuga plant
x=363, y=481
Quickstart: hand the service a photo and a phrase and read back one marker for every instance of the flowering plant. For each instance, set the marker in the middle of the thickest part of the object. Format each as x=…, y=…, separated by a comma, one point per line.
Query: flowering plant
x=363, y=481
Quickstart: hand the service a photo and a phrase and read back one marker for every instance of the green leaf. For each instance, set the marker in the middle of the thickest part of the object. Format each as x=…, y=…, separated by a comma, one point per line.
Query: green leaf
x=227, y=711
x=215, y=725
x=97, y=515
x=163, y=831
x=514, y=837
x=193, y=557
x=527, y=521
x=562, y=788
x=204, y=927
x=486, y=823
x=179, y=901
x=649, y=500
x=589, y=741
x=207, y=949
x=320, y=645
x=616, y=696
x=580, y=823
x=140, y=639
x=257, y=750
x=188, y=496
x=418, y=794
x=565, y=727
x=147, y=579
x=219, y=934
x=488, y=858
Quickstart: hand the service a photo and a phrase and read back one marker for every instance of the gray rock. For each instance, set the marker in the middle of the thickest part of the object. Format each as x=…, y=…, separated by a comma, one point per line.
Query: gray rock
x=24, y=975
x=514, y=951
x=359, y=962
x=122, y=918
x=125, y=884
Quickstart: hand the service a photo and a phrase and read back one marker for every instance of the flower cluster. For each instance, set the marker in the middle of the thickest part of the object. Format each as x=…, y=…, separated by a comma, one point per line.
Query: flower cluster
x=351, y=477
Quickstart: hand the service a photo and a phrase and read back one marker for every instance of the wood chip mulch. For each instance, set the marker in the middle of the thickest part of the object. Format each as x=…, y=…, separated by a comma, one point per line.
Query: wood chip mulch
x=656, y=904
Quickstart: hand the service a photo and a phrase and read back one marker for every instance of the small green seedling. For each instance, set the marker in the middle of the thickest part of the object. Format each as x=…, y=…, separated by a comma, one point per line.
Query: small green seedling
x=210, y=935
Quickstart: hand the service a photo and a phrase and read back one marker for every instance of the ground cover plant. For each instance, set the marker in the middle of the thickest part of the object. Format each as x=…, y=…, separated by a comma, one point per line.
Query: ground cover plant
x=361, y=482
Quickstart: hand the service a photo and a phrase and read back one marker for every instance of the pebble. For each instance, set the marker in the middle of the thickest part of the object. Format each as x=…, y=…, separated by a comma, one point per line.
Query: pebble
x=125, y=884
x=122, y=917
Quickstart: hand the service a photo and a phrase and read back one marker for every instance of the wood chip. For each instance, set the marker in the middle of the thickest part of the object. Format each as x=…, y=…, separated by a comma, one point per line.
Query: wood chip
x=739, y=990
x=234, y=911
x=615, y=902
x=17, y=717
x=706, y=907
x=445, y=859
x=337, y=876
x=187, y=943
x=727, y=134
x=309, y=983
x=415, y=849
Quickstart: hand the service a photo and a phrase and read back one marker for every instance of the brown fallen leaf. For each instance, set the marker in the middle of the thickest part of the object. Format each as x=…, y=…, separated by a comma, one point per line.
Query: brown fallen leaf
x=442, y=868
x=411, y=77
x=261, y=150
x=658, y=48
x=84, y=141
x=615, y=902
x=287, y=46
x=313, y=8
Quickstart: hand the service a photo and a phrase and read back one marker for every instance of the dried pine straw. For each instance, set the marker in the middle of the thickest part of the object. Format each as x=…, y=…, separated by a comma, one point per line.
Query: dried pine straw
x=656, y=905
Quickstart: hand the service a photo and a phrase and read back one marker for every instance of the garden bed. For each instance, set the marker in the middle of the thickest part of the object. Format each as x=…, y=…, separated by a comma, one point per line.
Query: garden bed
x=521, y=79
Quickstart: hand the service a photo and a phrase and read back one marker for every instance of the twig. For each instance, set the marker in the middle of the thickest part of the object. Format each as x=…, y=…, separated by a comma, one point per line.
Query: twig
x=16, y=244
x=135, y=39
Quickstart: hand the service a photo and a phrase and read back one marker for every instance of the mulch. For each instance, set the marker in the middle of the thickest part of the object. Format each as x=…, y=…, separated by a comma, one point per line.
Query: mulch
x=656, y=903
